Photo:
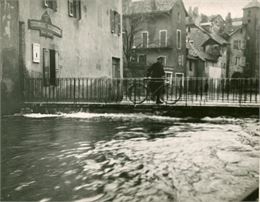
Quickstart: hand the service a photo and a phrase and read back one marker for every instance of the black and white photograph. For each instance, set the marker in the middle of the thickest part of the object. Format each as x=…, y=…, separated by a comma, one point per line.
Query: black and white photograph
x=130, y=100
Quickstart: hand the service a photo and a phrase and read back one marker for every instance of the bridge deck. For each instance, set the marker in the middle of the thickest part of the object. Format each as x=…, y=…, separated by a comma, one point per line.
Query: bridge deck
x=151, y=103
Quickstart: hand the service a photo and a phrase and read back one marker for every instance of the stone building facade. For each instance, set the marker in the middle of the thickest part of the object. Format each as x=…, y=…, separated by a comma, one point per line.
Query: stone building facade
x=161, y=33
x=251, y=21
x=237, y=59
x=207, y=53
x=61, y=38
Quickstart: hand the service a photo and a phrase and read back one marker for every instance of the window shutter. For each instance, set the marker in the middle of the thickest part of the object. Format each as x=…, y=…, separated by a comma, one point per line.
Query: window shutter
x=78, y=8
x=54, y=4
x=112, y=21
x=243, y=61
x=70, y=8
x=179, y=39
x=46, y=67
x=115, y=22
x=145, y=39
x=119, y=24
x=234, y=60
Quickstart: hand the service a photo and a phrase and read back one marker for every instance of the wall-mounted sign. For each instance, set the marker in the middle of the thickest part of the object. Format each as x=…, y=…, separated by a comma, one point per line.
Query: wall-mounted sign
x=45, y=26
x=36, y=53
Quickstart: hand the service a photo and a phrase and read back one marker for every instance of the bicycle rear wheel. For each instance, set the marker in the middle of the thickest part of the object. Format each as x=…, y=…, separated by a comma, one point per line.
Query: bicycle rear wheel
x=137, y=93
x=172, y=94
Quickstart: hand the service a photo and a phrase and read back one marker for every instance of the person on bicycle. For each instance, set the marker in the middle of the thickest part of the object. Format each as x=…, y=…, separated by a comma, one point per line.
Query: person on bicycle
x=156, y=72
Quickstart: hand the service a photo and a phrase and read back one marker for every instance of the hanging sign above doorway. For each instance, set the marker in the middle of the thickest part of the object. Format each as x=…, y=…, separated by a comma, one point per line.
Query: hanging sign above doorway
x=45, y=26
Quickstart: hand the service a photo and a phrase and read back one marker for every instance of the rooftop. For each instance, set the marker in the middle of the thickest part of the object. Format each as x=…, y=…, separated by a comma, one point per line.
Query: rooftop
x=196, y=53
x=148, y=6
x=252, y=4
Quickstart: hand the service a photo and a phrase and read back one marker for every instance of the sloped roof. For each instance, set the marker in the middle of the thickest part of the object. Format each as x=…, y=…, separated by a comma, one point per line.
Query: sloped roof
x=149, y=6
x=213, y=17
x=199, y=36
x=220, y=40
x=236, y=29
x=252, y=4
x=196, y=53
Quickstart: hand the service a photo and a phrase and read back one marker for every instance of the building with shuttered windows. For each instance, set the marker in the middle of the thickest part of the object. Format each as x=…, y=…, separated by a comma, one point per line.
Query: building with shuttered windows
x=158, y=32
x=50, y=39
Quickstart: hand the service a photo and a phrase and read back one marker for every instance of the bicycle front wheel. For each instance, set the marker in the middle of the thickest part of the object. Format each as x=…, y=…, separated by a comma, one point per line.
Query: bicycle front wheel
x=137, y=93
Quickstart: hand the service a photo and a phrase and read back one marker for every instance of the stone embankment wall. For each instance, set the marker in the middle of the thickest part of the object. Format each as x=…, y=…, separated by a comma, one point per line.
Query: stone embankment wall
x=11, y=95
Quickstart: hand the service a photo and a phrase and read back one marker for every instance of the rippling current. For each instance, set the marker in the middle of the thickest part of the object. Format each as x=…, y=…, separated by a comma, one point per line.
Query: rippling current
x=127, y=157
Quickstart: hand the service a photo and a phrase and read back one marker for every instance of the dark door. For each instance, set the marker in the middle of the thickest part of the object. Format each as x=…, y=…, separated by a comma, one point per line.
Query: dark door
x=115, y=68
x=52, y=67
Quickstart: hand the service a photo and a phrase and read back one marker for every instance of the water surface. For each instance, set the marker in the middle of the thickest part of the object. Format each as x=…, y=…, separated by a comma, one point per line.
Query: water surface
x=127, y=157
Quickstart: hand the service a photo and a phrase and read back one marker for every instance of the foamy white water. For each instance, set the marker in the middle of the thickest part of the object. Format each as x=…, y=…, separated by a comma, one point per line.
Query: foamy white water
x=129, y=157
x=137, y=116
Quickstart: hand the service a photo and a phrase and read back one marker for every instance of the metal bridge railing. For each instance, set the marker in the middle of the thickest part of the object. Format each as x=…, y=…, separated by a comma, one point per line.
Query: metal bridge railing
x=105, y=90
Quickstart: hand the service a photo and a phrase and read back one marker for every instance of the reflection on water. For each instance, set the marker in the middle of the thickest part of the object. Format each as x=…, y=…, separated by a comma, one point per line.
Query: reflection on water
x=115, y=157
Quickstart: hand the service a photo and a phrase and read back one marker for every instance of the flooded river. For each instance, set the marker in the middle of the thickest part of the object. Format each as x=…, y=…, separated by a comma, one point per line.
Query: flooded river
x=127, y=157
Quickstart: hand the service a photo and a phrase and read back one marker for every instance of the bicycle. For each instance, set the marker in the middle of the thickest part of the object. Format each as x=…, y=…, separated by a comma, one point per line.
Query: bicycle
x=140, y=91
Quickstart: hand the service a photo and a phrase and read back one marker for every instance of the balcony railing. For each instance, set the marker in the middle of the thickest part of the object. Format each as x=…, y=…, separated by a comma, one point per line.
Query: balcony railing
x=101, y=90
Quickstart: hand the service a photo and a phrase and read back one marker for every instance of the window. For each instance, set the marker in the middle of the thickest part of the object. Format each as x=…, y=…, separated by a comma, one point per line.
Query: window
x=179, y=79
x=181, y=60
x=237, y=61
x=179, y=17
x=178, y=39
x=50, y=64
x=243, y=61
x=133, y=58
x=52, y=4
x=133, y=41
x=190, y=66
x=115, y=22
x=243, y=44
x=115, y=67
x=74, y=8
x=249, y=13
x=168, y=76
x=142, y=59
x=164, y=60
x=145, y=39
x=163, y=38
x=237, y=44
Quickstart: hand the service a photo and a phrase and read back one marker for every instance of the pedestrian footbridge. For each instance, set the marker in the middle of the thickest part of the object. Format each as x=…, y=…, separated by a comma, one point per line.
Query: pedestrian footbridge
x=182, y=92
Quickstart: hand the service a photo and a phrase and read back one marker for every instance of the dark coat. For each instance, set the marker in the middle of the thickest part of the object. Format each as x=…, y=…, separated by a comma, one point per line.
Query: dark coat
x=156, y=70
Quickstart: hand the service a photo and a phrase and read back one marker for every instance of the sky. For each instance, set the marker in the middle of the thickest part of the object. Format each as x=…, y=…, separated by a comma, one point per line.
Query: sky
x=222, y=7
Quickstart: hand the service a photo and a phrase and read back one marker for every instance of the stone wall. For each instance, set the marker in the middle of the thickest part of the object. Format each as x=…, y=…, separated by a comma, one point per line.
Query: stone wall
x=11, y=91
x=87, y=45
